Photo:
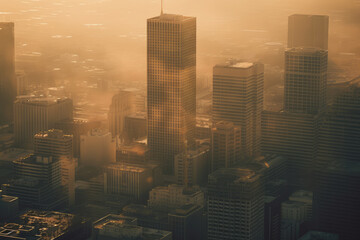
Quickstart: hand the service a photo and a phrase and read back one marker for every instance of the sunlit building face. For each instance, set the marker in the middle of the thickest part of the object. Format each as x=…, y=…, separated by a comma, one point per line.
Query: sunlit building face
x=171, y=59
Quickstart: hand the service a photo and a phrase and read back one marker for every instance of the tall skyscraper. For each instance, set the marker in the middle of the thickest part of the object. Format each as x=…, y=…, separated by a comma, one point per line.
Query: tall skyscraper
x=8, y=87
x=235, y=205
x=308, y=31
x=171, y=93
x=60, y=146
x=305, y=80
x=35, y=114
x=238, y=98
x=225, y=145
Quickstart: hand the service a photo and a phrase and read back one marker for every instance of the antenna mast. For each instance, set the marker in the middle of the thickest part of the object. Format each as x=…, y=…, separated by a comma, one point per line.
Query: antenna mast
x=162, y=11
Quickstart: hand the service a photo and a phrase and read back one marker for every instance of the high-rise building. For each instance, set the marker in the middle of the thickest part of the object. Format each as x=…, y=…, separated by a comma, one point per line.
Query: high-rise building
x=339, y=135
x=238, y=97
x=305, y=80
x=185, y=222
x=308, y=31
x=60, y=146
x=97, y=148
x=316, y=235
x=294, y=136
x=37, y=183
x=77, y=127
x=9, y=207
x=225, y=145
x=192, y=166
x=235, y=205
x=171, y=73
x=135, y=127
x=8, y=87
x=132, y=180
x=337, y=197
x=272, y=218
x=123, y=104
x=36, y=114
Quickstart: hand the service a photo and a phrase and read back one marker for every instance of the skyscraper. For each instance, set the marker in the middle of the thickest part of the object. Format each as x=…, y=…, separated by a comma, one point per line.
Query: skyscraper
x=171, y=90
x=235, y=205
x=305, y=80
x=225, y=145
x=337, y=197
x=123, y=104
x=308, y=31
x=7, y=69
x=35, y=114
x=60, y=146
x=238, y=98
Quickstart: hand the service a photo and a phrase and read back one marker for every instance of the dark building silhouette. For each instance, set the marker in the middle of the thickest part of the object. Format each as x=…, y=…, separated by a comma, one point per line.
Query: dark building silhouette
x=8, y=87
x=171, y=90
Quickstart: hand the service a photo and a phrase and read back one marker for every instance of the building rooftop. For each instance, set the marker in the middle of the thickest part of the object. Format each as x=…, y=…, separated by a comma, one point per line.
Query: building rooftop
x=114, y=219
x=13, y=154
x=34, y=159
x=6, y=198
x=235, y=175
x=306, y=50
x=53, y=133
x=185, y=210
x=129, y=167
x=40, y=100
x=316, y=235
x=169, y=18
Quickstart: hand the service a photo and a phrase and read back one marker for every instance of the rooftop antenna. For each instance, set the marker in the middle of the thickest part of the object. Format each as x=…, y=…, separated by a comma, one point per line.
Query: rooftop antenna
x=162, y=11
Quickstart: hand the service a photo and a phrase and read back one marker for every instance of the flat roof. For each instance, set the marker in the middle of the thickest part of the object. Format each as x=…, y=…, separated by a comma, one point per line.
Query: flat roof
x=170, y=18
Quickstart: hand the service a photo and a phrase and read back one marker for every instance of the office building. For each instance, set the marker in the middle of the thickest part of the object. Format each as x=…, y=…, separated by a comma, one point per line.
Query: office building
x=308, y=31
x=305, y=197
x=203, y=128
x=135, y=127
x=36, y=114
x=9, y=207
x=133, y=180
x=113, y=227
x=37, y=183
x=97, y=148
x=192, y=167
x=337, y=197
x=174, y=196
x=294, y=136
x=77, y=127
x=272, y=218
x=123, y=104
x=171, y=89
x=238, y=98
x=339, y=135
x=305, y=80
x=8, y=87
x=185, y=222
x=60, y=146
x=235, y=205
x=225, y=145
x=132, y=153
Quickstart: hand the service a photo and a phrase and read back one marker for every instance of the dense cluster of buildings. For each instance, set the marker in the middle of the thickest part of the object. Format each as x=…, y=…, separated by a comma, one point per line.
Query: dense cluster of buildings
x=241, y=173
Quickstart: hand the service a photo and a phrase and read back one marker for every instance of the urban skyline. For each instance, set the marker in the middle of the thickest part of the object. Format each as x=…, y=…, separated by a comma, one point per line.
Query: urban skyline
x=260, y=143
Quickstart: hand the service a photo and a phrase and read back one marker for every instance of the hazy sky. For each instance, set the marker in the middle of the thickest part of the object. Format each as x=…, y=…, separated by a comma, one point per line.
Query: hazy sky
x=115, y=29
